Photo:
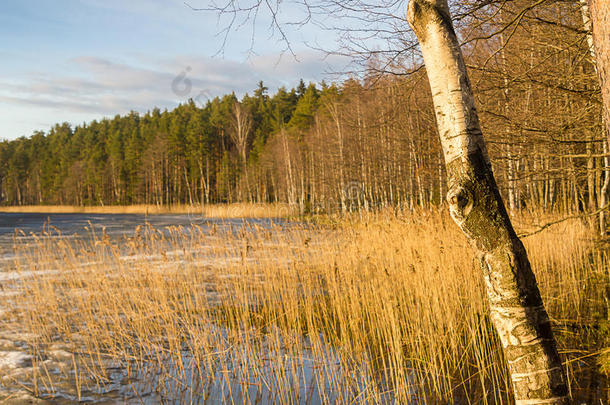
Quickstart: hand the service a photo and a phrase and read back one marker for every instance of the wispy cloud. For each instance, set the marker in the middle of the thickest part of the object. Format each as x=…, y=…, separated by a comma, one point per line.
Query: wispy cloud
x=107, y=87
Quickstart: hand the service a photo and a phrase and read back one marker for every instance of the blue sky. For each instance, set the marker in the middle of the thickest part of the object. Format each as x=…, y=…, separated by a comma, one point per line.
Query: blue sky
x=80, y=60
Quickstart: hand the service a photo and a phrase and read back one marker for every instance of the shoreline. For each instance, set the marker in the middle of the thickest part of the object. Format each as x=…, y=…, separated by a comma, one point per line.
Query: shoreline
x=237, y=210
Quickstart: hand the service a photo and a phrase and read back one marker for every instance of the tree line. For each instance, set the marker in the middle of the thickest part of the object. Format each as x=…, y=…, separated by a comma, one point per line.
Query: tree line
x=367, y=142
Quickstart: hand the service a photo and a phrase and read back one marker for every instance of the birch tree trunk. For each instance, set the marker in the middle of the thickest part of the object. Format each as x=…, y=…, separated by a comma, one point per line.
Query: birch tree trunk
x=599, y=13
x=516, y=307
x=600, y=18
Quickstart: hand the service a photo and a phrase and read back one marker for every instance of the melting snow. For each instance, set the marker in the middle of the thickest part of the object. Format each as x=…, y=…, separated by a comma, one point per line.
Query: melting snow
x=13, y=359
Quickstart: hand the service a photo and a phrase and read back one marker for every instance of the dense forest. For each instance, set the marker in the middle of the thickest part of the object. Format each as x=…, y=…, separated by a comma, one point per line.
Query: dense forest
x=367, y=142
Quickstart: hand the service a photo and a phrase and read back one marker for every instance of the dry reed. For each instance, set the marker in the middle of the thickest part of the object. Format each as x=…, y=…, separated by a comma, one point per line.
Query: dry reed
x=236, y=210
x=373, y=309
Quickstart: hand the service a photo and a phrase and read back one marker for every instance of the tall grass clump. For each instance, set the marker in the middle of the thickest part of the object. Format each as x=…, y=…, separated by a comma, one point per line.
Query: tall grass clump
x=380, y=308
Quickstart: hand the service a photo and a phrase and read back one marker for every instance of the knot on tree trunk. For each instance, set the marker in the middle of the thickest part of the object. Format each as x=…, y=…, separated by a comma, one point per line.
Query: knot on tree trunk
x=461, y=201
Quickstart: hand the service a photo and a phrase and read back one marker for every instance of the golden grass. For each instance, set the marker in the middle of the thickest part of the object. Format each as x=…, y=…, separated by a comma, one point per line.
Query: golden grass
x=377, y=308
x=237, y=210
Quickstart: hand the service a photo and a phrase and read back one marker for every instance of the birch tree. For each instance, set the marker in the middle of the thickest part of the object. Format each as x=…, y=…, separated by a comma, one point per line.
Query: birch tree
x=516, y=306
x=599, y=13
x=241, y=125
x=600, y=18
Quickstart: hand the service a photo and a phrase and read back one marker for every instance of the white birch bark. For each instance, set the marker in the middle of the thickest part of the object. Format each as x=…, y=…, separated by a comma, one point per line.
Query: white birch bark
x=586, y=20
x=241, y=124
x=516, y=308
x=599, y=42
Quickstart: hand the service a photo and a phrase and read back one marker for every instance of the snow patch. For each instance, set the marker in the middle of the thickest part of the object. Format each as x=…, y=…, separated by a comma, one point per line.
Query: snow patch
x=14, y=359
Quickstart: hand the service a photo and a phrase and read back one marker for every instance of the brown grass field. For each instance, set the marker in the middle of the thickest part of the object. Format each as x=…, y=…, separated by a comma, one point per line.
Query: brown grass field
x=379, y=308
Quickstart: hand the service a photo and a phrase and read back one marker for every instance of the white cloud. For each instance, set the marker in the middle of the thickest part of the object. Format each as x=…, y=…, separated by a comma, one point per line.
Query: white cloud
x=98, y=87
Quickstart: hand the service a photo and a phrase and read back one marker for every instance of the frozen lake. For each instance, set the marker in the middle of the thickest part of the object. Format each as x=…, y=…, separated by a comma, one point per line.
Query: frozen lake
x=16, y=228
x=18, y=234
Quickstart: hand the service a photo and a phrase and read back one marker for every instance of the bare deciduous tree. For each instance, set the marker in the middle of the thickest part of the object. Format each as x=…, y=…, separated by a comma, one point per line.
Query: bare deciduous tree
x=241, y=125
x=600, y=19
